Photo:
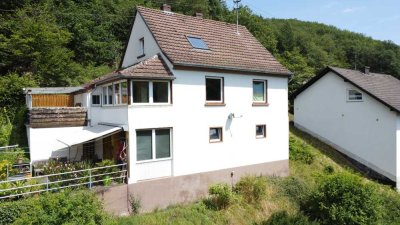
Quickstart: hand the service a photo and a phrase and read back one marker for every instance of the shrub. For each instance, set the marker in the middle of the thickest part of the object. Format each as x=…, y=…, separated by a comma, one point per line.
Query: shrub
x=252, y=188
x=283, y=218
x=295, y=188
x=221, y=196
x=299, y=151
x=343, y=199
x=67, y=207
x=391, y=207
x=329, y=169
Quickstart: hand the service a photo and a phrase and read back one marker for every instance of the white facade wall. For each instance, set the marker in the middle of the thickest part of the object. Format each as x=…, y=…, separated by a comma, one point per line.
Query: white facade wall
x=190, y=120
x=151, y=48
x=365, y=131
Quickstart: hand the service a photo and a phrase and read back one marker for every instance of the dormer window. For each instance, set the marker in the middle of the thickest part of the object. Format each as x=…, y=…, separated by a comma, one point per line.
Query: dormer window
x=141, y=47
x=197, y=43
x=354, y=95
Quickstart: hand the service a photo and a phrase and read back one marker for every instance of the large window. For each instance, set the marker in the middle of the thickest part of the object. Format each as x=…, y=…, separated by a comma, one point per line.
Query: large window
x=153, y=144
x=260, y=91
x=214, y=89
x=151, y=91
x=354, y=95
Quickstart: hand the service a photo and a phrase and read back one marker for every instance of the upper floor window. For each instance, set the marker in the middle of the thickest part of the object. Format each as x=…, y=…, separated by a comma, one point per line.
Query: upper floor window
x=107, y=95
x=151, y=91
x=116, y=93
x=354, y=95
x=214, y=89
x=260, y=91
x=96, y=100
x=141, y=47
x=215, y=134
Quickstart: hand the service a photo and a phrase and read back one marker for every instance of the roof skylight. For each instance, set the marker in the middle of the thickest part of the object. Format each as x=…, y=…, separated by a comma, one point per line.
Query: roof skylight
x=197, y=42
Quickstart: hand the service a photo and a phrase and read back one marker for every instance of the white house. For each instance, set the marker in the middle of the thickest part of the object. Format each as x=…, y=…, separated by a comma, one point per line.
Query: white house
x=195, y=100
x=357, y=113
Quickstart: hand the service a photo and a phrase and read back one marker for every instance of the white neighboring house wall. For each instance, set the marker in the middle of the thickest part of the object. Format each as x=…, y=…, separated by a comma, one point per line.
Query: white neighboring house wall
x=364, y=130
x=151, y=48
x=190, y=121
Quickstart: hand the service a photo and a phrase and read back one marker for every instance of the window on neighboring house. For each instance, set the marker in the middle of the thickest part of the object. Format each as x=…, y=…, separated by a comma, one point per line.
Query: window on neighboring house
x=215, y=134
x=261, y=131
x=96, y=100
x=151, y=91
x=214, y=89
x=197, y=43
x=260, y=91
x=153, y=144
x=354, y=95
x=141, y=47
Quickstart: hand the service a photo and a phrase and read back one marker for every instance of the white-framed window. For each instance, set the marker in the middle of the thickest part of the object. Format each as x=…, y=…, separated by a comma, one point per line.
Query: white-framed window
x=151, y=92
x=96, y=100
x=153, y=144
x=354, y=95
x=141, y=47
x=215, y=134
x=260, y=88
x=261, y=131
x=214, y=89
x=115, y=93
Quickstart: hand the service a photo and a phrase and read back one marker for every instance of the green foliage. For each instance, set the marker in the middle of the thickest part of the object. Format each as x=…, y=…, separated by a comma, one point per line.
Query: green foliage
x=3, y=169
x=221, y=197
x=344, y=199
x=294, y=187
x=299, y=151
x=66, y=207
x=135, y=204
x=329, y=169
x=283, y=218
x=253, y=189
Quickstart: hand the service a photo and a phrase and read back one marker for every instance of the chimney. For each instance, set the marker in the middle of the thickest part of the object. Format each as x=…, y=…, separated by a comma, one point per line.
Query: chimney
x=166, y=8
x=199, y=15
x=366, y=70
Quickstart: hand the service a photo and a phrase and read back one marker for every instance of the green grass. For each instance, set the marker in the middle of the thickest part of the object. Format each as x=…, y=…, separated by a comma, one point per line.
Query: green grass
x=282, y=193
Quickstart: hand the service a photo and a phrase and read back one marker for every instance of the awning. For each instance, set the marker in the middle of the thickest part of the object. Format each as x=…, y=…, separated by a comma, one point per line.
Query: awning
x=87, y=134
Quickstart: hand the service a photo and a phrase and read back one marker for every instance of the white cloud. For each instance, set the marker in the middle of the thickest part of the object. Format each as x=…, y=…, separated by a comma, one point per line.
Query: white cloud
x=349, y=10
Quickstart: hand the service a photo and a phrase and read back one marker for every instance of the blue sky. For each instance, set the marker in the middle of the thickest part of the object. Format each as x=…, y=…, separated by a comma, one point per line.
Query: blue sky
x=379, y=19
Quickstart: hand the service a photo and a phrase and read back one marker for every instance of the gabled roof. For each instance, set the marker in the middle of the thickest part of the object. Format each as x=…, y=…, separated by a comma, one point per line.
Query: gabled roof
x=227, y=49
x=384, y=88
x=151, y=68
x=52, y=90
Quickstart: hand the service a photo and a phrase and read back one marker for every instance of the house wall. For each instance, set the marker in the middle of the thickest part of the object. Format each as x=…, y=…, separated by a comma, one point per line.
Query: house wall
x=363, y=130
x=398, y=151
x=151, y=47
x=190, y=120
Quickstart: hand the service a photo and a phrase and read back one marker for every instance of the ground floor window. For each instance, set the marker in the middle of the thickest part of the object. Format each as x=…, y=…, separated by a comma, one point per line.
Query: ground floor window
x=215, y=134
x=152, y=144
x=261, y=131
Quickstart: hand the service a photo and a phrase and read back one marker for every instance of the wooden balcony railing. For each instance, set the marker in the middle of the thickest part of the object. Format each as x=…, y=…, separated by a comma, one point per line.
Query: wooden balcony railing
x=46, y=117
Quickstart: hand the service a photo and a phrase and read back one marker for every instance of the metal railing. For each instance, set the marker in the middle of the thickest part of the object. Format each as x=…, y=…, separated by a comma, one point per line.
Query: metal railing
x=53, y=182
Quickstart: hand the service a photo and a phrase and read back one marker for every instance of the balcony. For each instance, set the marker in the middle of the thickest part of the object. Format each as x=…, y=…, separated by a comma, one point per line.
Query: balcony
x=47, y=117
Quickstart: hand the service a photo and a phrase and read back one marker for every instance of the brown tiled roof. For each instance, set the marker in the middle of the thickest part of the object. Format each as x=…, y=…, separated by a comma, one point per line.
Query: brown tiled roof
x=151, y=68
x=385, y=88
x=228, y=50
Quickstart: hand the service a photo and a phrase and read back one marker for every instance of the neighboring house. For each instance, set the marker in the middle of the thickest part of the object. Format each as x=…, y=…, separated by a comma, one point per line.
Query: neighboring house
x=357, y=113
x=193, y=99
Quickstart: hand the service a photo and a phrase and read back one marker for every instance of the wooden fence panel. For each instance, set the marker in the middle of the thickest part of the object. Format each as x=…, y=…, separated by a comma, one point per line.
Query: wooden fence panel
x=52, y=100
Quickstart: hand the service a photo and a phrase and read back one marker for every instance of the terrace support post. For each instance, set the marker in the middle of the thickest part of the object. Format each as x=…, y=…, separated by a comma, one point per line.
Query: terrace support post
x=90, y=179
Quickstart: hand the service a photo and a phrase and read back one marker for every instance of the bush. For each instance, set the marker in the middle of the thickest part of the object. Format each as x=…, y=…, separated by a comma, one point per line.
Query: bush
x=344, y=199
x=221, y=197
x=329, y=169
x=283, y=218
x=391, y=207
x=299, y=151
x=66, y=207
x=135, y=204
x=252, y=188
x=295, y=188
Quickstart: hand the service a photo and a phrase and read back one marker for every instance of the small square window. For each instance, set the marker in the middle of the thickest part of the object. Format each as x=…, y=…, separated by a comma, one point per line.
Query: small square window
x=214, y=89
x=260, y=91
x=354, y=95
x=95, y=99
x=261, y=131
x=216, y=134
x=197, y=43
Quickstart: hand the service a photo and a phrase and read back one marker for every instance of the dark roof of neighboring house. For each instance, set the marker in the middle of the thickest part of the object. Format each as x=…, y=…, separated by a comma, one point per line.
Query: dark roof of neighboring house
x=227, y=49
x=151, y=68
x=52, y=90
x=384, y=88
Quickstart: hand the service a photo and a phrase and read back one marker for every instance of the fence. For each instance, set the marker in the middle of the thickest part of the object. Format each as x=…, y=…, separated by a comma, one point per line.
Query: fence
x=54, y=182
